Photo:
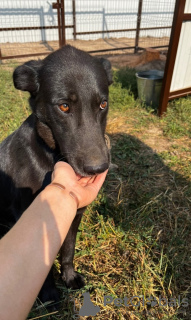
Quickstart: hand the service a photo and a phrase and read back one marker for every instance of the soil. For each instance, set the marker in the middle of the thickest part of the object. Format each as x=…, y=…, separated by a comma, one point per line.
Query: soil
x=119, y=58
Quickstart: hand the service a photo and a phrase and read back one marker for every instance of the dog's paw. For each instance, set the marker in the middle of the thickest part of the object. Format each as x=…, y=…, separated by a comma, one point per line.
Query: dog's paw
x=51, y=295
x=73, y=280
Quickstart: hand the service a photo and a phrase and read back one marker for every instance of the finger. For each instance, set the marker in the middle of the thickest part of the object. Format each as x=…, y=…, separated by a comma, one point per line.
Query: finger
x=92, y=179
x=61, y=168
x=90, y=194
x=85, y=180
x=78, y=176
x=93, y=188
x=99, y=180
x=62, y=164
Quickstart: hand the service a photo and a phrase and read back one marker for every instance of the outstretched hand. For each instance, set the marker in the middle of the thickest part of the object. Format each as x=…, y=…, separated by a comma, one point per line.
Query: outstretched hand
x=85, y=188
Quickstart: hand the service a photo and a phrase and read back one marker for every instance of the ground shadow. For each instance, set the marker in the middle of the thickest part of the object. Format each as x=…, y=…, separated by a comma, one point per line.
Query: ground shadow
x=145, y=194
x=141, y=194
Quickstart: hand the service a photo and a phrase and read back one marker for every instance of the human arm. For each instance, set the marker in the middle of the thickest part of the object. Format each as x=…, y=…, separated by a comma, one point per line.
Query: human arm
x=28, y=250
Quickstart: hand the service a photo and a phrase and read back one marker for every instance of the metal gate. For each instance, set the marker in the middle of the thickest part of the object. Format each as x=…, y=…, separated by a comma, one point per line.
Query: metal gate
x=134, y=30
x=59, y=6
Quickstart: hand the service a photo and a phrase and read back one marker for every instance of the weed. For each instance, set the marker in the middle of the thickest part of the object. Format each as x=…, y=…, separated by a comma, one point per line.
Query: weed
x=126, y=76
x=177, y=122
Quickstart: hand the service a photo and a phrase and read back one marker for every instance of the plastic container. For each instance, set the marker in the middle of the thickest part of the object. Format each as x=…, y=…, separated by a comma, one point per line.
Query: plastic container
x=149, y=84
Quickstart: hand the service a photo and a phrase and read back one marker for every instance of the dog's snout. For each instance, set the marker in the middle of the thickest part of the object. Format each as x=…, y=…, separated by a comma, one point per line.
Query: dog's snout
x=95, y=169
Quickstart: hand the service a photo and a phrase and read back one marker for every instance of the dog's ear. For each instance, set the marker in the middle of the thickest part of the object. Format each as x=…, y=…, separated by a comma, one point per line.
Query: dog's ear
x=25, y=77
x=107, y=66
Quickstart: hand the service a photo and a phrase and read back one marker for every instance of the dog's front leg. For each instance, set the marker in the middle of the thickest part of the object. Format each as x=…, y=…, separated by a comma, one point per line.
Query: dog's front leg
x=73, y=279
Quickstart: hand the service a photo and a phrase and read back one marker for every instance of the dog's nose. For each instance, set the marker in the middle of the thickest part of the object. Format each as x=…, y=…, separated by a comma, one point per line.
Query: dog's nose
x=95, y=169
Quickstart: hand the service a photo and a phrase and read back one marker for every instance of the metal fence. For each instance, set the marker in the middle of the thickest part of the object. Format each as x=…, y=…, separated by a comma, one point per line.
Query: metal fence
x=37, y=27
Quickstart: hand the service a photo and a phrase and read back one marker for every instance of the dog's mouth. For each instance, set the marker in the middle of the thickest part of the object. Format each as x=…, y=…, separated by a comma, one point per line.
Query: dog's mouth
x=87, y=172
x=86, y=179
x=79, y=176
x=86, y=175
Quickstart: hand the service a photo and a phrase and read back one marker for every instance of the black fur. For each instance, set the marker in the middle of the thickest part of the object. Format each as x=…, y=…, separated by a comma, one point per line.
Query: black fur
x=48, y=135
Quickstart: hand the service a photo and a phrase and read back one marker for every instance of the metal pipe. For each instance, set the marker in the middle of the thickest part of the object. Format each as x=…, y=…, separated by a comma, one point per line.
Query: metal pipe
x=74, y=17
x=80, y=33
x=138, y=25
x=120, y=30
x=63, y=33
x=114, y=49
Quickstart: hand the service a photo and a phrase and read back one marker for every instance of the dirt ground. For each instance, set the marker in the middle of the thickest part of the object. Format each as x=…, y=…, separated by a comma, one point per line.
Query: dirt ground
x=119, y=58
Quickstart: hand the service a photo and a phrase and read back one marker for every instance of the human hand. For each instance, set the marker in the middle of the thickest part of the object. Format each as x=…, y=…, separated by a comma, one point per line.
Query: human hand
x=85, y=188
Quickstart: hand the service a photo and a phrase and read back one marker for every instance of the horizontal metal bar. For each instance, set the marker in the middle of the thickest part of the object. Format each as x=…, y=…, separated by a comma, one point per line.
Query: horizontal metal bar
x=154, y=47
x=93, y=51
x=80, y=33
x=156, y=28
x=186, y=16
x=122, y=30
x=114, y=49
x=33, y=28
x=179, y=93
x=24, y=55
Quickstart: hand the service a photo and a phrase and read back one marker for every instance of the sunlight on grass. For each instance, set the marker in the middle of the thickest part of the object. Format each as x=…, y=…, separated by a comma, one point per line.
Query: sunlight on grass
x=177, y=122
x=14, y=107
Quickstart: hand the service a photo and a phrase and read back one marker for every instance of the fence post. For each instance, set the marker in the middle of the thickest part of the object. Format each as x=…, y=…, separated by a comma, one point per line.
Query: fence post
x=0, y=57
x=59, y=5
x=171, y=57
x=74, y=17
x=138, y=26
x=63, y=29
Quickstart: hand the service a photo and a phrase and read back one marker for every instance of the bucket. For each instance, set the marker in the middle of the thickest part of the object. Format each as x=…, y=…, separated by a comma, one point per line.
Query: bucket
x=149, y=84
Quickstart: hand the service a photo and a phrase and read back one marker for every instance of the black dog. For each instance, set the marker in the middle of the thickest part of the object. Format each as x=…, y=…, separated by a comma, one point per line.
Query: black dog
x=69, y=102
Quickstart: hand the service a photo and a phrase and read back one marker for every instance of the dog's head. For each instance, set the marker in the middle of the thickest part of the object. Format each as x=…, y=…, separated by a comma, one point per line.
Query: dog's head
x=69, y=96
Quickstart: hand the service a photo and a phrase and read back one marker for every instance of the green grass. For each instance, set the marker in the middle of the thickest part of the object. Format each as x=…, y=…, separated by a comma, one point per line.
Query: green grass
x=13, y=104
x=134, y=240
x=178, y=119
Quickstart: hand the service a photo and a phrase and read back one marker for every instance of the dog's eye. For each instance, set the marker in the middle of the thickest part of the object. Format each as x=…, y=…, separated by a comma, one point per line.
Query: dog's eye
x=103, y=105
x=64, y=107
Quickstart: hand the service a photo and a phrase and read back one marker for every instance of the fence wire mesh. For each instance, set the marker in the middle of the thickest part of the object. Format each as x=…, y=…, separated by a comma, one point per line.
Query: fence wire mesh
x=23, y=27
x=31, y=27
x=156, y=14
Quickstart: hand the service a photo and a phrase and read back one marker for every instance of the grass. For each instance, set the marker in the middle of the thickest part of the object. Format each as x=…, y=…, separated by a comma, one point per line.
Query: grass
x=134, y=240
x=13, y=103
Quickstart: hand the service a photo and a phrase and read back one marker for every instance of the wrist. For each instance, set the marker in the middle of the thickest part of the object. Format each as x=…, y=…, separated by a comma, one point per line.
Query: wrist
x=59, y=198
x=62, y=187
